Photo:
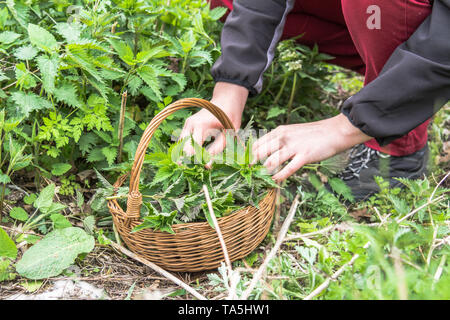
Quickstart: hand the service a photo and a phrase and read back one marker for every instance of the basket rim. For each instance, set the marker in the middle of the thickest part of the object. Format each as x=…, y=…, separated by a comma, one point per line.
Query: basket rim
x=186, y=225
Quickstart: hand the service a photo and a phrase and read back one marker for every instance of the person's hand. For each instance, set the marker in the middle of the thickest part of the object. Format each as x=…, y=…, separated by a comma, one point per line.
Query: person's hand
x=231, y=99
x=306, y=143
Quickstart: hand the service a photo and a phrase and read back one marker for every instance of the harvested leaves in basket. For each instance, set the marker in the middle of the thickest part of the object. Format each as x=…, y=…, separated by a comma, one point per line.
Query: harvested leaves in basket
x=172, y=183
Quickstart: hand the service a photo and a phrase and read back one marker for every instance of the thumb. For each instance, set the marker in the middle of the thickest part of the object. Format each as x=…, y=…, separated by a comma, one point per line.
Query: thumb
x=216, y=147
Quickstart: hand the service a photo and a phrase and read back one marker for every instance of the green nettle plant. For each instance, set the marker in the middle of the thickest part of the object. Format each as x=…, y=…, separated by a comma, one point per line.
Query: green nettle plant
x=69, y=70
x=79, y=83
x=172, y=184
x=12, y=154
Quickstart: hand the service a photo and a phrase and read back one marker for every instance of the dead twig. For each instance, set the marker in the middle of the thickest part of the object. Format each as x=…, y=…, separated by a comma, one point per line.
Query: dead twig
x=335, y=275
x=438, y=199
x=284, y=229
x=233, y=282
x=159, y=270
x=297, y=236
x=121, y=125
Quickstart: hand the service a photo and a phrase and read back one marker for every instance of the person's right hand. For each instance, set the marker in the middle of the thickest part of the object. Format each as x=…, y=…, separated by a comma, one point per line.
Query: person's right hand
x=231, y=99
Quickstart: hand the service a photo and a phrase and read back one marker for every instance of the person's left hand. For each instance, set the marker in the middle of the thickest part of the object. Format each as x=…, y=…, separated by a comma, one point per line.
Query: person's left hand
x=306, y=143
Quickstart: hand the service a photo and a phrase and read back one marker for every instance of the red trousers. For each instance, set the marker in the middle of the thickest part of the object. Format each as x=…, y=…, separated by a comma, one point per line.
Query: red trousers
x=340, y=28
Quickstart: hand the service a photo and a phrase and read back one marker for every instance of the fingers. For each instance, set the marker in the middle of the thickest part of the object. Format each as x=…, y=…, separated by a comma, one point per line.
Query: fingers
x=268, y=146
x=296, y=163
x=216, y=147
x=277, y=158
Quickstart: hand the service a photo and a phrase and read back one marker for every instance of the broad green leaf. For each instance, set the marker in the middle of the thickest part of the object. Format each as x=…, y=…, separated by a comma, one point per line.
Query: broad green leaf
x=31, y=286
x=70, y=31
x=19, y=11
x=7, y=246
x=18, y=213
x=341, y=188
x=29, y=102
x=45, y=198
x=89, y=224
x=187, y=41
x=25, y=53
x=54, y=253
x=42, y=39
x=217, y=13
x=49, y=70
x=124, y=51
x=7, y=37
x=59, y=221
x=5, y=270
x=30, y=199
x=55, y=207
x=25, y=79
x=58, y=169
x=155, y=52
x=110, y=154
x=150, y=77
x=4, y=178
x=275, y=112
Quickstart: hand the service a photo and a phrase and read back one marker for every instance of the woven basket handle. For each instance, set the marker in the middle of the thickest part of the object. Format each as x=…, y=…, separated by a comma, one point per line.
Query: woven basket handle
x=134, y=201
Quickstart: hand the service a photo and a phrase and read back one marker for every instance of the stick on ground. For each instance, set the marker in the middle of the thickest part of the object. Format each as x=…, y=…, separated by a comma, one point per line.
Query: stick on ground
x=283, y=231
x=160, y=270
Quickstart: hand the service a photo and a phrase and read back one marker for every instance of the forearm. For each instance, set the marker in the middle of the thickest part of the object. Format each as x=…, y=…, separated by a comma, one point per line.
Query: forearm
x=231, y=98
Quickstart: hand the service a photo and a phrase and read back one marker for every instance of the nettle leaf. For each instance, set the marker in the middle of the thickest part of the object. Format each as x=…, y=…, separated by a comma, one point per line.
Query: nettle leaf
x=19, y=11
x=58, y=169
x=7, y=37
x=29, y=102
x=201, y=57
x=124, y=51
x=54, y=253
x=49, y=70
x=162, y=222
x=70, y=31
x=180, y=80
x=45, y=198
x=110, y=153
x=341, y=189
x=7, y=246
x=134, y=84
x=82, y=59
x=217, y=13
x=18, y=214
x=95, y=155
x=2, y=78
x=25, y=53
x=150, y=77
x=87, y=142
x=275, y=112
x=4, y=178
x=25, y=79
x=67, y=93
x=42, y=39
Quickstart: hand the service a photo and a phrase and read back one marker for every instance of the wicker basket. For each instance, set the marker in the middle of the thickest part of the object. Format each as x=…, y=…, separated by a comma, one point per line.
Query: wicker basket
x=194, y=246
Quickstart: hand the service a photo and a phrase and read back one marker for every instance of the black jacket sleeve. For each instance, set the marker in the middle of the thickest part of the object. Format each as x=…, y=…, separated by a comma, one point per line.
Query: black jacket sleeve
x=249, y=39
x=413, y=85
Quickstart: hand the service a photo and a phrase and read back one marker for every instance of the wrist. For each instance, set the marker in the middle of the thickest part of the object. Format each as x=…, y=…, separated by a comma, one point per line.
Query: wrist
x=350, y=134
x=231, y=98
